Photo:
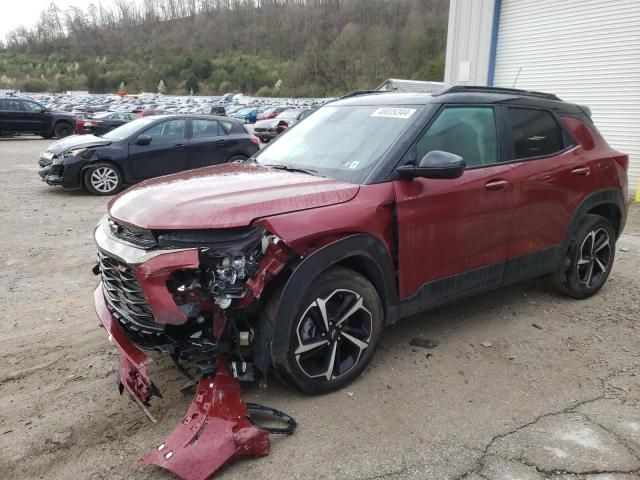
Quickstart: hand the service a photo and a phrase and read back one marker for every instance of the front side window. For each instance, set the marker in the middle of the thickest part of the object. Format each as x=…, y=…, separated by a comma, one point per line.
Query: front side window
x=167, y=131
x=466, y=131
x=535, y=133
x=205, y=128
x=32, y=107
x=341, y=142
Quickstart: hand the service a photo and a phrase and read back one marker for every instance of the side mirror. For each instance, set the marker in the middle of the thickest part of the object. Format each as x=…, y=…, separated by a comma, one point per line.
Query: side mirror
x=435, y=164
x=143, y=140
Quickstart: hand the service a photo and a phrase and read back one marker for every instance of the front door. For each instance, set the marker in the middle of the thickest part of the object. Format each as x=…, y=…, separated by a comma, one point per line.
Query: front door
x=454, y=233
x=34, y=117
x=165, y=154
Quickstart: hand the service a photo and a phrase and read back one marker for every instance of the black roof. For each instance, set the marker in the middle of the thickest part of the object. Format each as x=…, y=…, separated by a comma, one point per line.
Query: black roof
x=461, y=95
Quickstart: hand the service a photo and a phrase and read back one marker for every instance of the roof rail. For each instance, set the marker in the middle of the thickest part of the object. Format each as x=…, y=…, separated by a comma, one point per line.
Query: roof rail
x=357, y=93
x=512, y=91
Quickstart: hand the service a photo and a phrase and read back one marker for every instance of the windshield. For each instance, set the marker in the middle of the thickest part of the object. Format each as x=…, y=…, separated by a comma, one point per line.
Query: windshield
x=128, y=129
x=341, y=142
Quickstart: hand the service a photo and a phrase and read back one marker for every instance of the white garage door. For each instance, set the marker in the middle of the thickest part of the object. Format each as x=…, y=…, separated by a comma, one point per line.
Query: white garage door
x=584, y=51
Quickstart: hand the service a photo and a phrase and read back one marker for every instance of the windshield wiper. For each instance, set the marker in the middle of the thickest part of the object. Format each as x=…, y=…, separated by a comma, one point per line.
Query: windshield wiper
x=289, y=168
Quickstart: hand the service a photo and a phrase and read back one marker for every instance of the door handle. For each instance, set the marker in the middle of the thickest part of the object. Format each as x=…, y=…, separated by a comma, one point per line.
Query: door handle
x=179, y=145
x=582, y=171
x=496, y=185
x=223, y=143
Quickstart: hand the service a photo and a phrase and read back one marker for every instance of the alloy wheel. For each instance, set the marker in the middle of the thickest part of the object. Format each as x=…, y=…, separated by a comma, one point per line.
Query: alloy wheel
x=595, y=257
x=104, y=179
x=332, y=334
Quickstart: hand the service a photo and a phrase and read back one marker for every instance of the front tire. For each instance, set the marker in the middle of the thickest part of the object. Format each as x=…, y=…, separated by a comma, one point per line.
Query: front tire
x=589, y=260
x=103, y=178
x=333, y=335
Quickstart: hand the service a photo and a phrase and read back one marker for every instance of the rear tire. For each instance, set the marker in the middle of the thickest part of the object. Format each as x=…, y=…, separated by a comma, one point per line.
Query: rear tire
x=589, y=260
x=62, y=130
x=333, y=335
x=102, y=178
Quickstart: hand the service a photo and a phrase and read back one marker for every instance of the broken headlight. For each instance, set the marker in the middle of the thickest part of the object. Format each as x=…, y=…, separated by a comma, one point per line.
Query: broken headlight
x=228, y=257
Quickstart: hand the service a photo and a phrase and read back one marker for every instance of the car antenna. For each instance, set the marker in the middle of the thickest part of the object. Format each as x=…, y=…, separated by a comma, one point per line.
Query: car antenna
x=517, y=75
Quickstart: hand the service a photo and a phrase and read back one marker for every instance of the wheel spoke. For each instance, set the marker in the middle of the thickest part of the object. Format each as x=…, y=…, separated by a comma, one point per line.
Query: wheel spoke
x=592, y=235
x=603, y=244
x=356, y=341
x=322, y=306
x=602, y=267
x=310, y=346
x=354, y=308
x=583, y=261
x=589, y=274
x=332, y=361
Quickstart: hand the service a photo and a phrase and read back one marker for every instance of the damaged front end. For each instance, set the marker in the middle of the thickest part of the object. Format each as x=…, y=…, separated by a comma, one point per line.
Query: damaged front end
x=193, y=295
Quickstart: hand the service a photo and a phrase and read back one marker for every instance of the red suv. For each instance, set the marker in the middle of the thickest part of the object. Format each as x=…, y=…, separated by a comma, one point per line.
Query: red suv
x=378, y=207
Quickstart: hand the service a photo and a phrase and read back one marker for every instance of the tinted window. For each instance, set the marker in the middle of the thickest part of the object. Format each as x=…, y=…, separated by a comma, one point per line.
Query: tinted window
x=535, y=133
x=167, y=131
x=466, y=131
x=10, y=105
x=32, y=106
x=205, y=128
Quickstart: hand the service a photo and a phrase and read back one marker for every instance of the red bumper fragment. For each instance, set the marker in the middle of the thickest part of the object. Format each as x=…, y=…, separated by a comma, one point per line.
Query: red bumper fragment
x=133, y=361
x=214, y=431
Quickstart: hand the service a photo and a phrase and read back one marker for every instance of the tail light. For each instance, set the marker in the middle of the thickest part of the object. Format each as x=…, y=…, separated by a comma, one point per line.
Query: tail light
x=255, y=140
x=623, y=160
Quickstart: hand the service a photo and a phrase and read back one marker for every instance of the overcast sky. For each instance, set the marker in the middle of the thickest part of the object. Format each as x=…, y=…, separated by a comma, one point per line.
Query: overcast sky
x=26, y=12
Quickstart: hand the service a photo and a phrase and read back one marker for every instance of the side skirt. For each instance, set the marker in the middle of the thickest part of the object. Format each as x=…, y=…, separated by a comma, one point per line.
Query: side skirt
x=445, y=290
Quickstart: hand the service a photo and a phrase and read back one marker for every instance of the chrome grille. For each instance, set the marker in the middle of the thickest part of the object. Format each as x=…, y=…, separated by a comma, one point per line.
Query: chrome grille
x=140, y=237
x=125, y=297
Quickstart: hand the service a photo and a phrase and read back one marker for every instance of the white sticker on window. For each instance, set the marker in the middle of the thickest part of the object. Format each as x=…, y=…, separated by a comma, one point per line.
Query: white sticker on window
x=393, y=112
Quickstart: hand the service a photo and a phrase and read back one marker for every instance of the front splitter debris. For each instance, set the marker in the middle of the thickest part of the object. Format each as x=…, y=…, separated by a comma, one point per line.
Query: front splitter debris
x=215, y=430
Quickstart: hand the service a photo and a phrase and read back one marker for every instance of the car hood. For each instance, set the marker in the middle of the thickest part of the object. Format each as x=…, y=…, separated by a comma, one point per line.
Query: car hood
x=224, y=196
x=77, y=141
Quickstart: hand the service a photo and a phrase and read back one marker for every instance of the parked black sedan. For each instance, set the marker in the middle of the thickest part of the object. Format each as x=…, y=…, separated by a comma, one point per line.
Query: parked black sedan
x=104, y=122
x=144, y=148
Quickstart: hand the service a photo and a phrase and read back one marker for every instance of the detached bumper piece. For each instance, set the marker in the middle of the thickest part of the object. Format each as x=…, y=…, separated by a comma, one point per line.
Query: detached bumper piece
x=215, y=430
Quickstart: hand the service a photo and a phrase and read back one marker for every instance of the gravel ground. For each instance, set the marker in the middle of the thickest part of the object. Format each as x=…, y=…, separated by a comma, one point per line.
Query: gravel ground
x=524, y=384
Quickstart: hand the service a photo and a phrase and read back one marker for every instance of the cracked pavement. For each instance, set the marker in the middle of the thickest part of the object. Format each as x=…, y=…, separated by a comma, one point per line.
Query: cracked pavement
x=560, y=400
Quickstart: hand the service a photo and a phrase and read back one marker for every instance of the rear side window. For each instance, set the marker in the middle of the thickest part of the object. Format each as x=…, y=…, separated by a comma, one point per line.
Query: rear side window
x=466, y=131
x=535, y=133
x=205, y=128
x=10, y=105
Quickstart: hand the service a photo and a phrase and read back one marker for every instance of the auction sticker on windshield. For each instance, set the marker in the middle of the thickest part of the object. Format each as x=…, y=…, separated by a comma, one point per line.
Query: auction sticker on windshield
x=394, y=112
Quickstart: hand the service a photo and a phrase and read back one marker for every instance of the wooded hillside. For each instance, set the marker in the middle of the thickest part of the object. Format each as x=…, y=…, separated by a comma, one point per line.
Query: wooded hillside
x=280, y=47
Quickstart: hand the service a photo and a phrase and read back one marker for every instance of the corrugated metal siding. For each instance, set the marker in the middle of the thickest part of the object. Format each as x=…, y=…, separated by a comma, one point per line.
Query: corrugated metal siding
x=584, y=51
x=469, y=39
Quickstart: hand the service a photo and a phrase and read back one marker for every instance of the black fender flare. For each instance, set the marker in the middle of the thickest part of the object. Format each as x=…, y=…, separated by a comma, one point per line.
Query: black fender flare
x=600, y=197
x=371, y=255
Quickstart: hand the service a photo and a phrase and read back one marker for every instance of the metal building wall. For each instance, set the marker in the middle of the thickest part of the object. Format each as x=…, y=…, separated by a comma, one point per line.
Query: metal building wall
x=469, y=42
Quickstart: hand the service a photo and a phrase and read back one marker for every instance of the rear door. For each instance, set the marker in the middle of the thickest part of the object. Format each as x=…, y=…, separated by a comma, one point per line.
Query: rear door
x=11, y=116
x=167, y=152
x=453, y=234
x=552, y=177
x=209, y=143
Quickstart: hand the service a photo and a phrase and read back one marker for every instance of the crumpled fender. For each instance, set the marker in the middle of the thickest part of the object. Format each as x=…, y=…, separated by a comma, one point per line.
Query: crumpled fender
x=215, y=430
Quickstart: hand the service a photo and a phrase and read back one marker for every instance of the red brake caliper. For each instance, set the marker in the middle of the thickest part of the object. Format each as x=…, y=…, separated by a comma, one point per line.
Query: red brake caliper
x=215, y=430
